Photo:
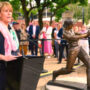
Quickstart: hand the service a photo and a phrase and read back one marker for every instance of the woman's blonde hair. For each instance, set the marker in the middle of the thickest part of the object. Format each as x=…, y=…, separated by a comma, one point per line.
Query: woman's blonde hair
x=7, y=4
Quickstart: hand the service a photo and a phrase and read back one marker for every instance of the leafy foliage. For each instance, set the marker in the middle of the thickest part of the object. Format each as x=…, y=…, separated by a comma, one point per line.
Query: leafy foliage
x=16, y=8
x=59, y=13
x=62, y=5
x=57, y=7
x=78, y=12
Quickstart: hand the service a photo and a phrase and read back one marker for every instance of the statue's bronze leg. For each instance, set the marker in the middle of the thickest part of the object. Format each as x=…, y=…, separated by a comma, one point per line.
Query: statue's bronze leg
x=70, y=62
x=86, y=60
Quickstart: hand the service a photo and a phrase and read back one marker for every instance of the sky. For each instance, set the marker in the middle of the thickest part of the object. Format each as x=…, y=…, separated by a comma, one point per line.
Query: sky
x=88, y=1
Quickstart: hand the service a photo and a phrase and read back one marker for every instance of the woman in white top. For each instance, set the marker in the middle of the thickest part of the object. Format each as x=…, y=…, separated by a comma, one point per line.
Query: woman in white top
x=84, y=42
x=46, y=34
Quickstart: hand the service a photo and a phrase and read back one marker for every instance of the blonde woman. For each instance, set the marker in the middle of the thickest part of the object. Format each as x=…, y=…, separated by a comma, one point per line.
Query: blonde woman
x=23, y=36
x=7, y=45
x=47, y=31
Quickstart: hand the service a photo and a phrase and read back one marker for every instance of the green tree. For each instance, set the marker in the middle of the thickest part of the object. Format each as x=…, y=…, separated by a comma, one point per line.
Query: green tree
x=16, y=8
x=57, y=7
x=62, y=5
x=34, y=4
x=78, y=12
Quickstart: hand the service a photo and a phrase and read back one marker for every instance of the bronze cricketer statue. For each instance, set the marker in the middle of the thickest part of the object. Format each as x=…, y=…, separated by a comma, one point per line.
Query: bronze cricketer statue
x=74, y=51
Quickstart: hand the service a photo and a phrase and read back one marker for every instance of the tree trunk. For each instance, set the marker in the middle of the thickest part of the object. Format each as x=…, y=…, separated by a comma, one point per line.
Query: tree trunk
x=31, y=17
x=40, y=16
x=26, y=19
x=26, y=13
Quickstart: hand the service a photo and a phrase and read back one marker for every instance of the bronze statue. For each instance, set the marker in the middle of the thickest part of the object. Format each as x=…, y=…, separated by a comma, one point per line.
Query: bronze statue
x=74, y=51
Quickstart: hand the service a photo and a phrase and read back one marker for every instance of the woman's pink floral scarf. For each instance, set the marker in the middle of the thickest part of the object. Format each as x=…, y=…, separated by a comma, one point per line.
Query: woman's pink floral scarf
x=9, y=43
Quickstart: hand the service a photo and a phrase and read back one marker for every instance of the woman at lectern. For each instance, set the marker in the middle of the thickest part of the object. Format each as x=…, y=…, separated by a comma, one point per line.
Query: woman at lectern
x=7, y=44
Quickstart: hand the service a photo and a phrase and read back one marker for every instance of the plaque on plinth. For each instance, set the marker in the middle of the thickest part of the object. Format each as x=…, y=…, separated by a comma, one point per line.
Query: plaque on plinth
x=24, y=73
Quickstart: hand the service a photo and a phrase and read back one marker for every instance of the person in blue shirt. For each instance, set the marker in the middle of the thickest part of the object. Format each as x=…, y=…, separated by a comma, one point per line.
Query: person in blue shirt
x=63, y=44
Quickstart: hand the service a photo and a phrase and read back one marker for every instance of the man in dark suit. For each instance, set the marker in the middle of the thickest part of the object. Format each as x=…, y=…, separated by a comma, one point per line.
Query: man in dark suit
x=34, y=31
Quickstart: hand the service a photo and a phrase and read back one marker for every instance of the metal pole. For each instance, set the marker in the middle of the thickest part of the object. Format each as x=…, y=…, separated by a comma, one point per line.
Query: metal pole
x=83, y=15
x=42, y=47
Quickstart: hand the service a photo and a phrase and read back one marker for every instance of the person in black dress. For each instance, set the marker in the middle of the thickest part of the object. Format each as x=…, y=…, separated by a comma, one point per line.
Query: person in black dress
x=5, y=18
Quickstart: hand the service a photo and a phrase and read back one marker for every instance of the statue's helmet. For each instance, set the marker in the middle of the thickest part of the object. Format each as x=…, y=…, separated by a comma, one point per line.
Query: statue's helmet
x=67, y=23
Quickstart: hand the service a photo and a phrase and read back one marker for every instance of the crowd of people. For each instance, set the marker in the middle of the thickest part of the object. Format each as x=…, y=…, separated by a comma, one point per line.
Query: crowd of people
x=54, y=43
x=29, y=39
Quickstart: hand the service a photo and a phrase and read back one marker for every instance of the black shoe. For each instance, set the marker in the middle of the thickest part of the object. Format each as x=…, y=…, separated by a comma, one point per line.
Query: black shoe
x=55, y=56
x=59, y=62
x=88, y=88
x=76, y=64
x=44, y=71
x=54, y=76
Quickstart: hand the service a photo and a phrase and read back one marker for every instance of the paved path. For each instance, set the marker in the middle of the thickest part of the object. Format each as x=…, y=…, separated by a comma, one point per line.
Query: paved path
x=51, y=64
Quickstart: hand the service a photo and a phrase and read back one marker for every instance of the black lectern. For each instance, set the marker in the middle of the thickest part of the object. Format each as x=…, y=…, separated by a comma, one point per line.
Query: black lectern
x=23, y=73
